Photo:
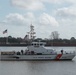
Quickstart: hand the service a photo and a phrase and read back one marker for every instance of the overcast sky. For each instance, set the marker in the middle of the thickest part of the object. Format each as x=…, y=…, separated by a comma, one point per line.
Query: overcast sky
x=45, y=15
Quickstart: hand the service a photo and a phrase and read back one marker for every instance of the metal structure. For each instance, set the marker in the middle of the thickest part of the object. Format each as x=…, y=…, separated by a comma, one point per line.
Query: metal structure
x=31, y=33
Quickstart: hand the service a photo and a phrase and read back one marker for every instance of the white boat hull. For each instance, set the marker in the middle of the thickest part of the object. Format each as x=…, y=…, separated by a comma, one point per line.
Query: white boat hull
x=37, y=57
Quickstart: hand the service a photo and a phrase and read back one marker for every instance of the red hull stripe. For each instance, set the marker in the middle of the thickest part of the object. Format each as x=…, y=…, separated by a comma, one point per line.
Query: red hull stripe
x=58, y=56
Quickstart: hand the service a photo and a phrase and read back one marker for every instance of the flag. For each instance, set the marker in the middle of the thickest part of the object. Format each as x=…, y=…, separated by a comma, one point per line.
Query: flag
x=26, y=37
x=5, y=31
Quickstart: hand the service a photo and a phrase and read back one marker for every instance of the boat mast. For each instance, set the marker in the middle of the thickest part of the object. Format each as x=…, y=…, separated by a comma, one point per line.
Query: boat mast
x=31, y=33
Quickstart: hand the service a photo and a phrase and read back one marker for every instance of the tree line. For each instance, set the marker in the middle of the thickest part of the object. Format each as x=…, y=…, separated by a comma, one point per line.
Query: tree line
x=54, y=40
x=49, y=42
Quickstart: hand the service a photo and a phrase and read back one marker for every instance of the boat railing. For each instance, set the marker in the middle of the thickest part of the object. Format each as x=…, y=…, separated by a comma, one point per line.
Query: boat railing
x=66, y=52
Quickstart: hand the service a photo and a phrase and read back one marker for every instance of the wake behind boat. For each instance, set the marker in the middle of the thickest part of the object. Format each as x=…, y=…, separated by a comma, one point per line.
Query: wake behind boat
x=36, y=51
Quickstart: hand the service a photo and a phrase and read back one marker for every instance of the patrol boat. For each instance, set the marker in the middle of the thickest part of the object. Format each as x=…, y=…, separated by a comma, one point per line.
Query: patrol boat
x=36, y=51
